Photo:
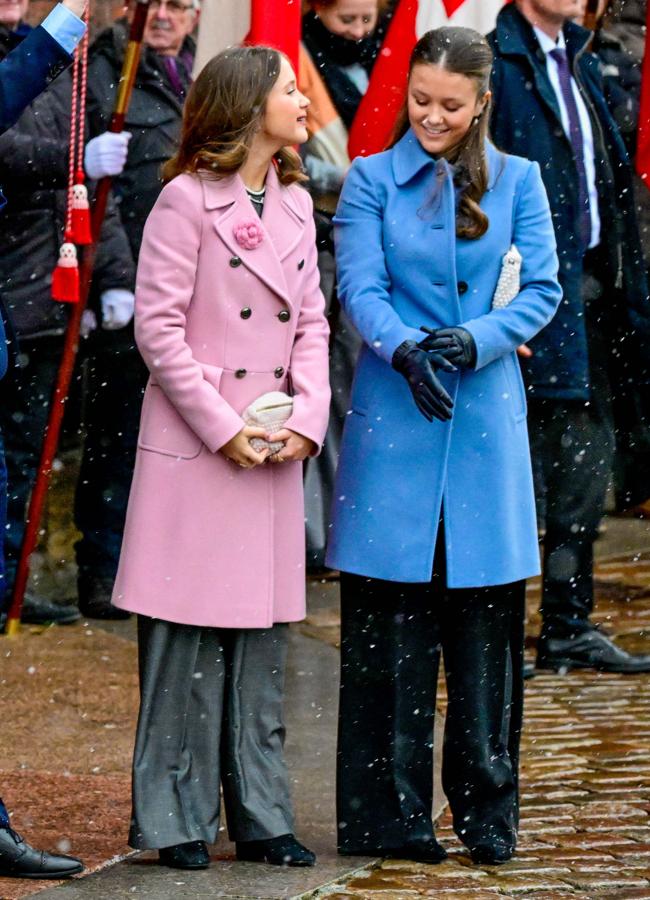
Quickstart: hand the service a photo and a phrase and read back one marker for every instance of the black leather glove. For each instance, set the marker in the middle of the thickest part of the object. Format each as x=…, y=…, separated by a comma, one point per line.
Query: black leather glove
x=455, y=344
x=417, y=366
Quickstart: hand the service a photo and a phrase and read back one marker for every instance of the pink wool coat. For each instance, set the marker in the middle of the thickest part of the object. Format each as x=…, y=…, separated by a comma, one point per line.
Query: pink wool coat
x=220, y=321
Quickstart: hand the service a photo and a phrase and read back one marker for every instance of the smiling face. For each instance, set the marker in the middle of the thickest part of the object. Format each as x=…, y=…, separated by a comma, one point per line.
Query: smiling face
x=442, y=107
x=12, y=12
x=349, y=19
x=285, y=116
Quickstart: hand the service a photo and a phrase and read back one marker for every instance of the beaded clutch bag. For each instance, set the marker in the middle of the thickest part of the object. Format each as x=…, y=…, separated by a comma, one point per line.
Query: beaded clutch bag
x=509, y=283
x=270, y=411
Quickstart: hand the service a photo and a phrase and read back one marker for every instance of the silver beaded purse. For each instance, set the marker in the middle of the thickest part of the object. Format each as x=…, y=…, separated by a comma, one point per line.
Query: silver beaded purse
x=509, y=283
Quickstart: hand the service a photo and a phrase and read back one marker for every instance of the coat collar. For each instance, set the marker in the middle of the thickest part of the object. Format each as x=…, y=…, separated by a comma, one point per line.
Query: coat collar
x=283, y=225
x=409, y=158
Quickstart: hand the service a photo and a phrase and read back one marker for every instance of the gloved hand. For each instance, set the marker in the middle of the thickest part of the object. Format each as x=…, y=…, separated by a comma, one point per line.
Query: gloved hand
x=106, y=154
x=117, y=308
x=417, y=366
x=456, y=345
x=88, y=323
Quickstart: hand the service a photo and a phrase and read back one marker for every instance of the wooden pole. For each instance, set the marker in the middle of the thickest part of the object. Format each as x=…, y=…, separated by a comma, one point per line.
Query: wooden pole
x=71, y=345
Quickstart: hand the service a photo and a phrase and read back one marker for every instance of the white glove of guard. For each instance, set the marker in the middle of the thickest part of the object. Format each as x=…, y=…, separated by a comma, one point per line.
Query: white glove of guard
x=88, y=323
x=118, y=306
x=106, y=154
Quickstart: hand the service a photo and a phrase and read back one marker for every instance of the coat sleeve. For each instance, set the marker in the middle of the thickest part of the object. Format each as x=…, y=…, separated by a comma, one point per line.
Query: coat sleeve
x=501, y=331
x=364, y=284
x=164, y=287
x=310, y=351
x=26, y=72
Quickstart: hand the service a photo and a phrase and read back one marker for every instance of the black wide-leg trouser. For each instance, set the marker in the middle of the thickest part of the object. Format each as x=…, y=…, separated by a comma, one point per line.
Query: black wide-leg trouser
x=391, y=638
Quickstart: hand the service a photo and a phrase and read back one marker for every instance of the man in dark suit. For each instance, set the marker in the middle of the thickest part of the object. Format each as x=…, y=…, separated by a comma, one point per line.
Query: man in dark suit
x=587, y=366
x=24, y=73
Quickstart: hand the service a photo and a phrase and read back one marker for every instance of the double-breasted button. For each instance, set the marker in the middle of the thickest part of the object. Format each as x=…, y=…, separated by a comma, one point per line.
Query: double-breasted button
x=279, y=372
x=284, y=315
x=235, y=261
x=240, y=373
x=462, y=287
x=246, y=312
x=301, y=264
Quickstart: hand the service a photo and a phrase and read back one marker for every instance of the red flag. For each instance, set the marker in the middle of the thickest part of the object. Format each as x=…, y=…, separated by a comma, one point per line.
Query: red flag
x=276, y=25
x=643, y=139
x=375, y=119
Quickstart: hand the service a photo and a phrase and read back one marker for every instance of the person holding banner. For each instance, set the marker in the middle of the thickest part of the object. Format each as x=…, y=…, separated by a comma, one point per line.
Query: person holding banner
x=434, y=526
x=229, y=314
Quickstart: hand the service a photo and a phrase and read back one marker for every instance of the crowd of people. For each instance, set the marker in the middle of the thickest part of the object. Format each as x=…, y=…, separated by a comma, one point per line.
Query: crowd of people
x=439, y=352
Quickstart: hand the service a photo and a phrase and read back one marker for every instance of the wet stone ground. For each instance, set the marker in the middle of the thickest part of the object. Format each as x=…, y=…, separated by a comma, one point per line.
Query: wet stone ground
x=585, y=786
x=585, y=780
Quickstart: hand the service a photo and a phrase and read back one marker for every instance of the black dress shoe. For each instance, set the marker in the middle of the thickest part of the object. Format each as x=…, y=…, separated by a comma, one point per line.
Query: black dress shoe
x=418, y=851
x=95, y=599
x=284, y=850
x=491, y=854
x=590, y=649
x=192, y=855
x=19, y=860
x=37, y=611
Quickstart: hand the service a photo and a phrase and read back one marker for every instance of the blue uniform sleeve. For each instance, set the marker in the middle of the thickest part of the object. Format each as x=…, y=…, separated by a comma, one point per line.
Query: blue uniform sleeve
x=364, y=285
x=501, y=331
x=29, y=68
x=66, y=28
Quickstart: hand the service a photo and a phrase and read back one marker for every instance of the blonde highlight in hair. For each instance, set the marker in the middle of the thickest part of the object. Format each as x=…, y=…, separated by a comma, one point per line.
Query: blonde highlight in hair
x=461, y=51
x=224, y=110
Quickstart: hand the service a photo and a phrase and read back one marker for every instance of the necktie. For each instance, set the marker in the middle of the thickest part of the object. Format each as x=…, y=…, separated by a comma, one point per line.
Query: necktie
x=577, y=144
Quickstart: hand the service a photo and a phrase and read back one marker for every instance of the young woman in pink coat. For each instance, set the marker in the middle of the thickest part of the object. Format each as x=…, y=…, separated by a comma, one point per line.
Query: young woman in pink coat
x=228, y=308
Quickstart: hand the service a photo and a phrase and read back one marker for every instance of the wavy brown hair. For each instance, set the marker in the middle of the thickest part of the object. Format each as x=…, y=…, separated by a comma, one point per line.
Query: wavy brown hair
x=224, y=110
x=462, y=51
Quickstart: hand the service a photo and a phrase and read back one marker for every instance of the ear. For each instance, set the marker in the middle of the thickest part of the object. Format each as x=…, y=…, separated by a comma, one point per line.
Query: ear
x=483, y=102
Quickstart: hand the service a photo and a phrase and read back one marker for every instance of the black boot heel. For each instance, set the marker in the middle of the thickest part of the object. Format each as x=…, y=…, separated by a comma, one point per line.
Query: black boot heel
x=284, y=850
x=192, y=855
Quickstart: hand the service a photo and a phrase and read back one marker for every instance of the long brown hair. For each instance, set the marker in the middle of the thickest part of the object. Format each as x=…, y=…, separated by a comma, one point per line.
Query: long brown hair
x=461, y=51
x=224, y=110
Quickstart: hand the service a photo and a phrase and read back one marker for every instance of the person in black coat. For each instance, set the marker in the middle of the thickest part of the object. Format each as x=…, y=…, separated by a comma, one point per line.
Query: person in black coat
x=24, y=73
x=116, y=374
x=584, y=369
x=34, y=174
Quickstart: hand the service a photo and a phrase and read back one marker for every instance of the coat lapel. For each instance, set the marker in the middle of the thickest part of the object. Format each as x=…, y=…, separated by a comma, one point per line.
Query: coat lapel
x=281, y=225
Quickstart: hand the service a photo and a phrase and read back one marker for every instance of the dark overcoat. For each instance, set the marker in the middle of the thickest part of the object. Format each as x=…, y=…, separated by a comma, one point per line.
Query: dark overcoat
x=526, y=121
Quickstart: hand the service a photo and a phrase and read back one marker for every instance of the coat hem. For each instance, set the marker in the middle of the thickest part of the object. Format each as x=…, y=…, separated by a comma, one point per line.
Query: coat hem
x=186, y=620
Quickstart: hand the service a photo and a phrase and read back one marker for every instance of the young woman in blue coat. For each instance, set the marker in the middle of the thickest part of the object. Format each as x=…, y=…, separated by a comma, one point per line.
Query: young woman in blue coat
x=434, y=526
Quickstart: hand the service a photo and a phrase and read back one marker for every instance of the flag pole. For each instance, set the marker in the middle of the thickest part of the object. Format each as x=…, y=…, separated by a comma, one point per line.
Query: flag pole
x=71, y=345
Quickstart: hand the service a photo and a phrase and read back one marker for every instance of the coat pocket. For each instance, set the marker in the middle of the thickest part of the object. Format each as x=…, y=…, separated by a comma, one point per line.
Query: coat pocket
x=163, y=429
x=516, y=387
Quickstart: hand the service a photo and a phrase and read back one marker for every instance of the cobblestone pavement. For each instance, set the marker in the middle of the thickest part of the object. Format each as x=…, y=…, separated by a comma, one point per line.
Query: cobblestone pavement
x=585, y=827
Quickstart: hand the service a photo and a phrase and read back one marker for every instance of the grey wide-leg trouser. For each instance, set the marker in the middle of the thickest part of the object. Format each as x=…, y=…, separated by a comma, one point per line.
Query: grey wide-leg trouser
x=210, y=712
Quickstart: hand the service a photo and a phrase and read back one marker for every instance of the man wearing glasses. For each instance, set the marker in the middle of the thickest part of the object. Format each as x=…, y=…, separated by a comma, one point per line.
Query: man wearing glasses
x=116, y=374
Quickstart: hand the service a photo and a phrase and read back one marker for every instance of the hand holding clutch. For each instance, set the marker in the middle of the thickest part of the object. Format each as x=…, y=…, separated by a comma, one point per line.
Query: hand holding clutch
x=270, y=411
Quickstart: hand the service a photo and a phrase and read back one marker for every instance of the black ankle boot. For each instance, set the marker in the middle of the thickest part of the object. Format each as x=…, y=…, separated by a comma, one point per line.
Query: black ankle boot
x=192, y=855
x=284, y=850
x=491, y=854
x=424, y=851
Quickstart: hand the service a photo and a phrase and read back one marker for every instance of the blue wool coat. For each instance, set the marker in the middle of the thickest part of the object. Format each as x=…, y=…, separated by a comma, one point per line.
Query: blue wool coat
x=401, y=266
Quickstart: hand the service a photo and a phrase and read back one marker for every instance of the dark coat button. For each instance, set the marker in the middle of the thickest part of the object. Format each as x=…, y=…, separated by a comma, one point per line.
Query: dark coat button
x=462, y=287
x=246, y=312
x=301, y=264
x=284, y=315
x=279, y=372
x=235, y=261
x=240, y=373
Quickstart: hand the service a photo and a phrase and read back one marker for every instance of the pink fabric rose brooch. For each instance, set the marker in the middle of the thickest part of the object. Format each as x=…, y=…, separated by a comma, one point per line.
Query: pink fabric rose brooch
x=248, y=235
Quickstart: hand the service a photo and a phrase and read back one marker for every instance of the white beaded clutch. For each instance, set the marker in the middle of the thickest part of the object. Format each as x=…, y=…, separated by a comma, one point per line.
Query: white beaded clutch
x=270, y=411
x=509, y=283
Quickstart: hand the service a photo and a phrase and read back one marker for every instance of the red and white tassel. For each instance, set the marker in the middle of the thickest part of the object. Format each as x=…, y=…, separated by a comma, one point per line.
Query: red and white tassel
x=80, y=229
x=65, y=278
